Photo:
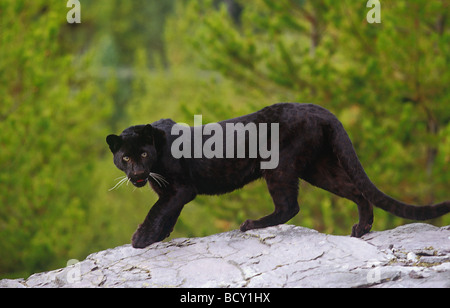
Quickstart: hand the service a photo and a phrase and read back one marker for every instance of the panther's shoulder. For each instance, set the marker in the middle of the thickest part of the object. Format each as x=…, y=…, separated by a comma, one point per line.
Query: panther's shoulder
x=164, y=124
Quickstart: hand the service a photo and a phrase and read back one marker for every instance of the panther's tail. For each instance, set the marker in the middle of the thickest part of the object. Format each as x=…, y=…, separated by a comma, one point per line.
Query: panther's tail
x=343, y=148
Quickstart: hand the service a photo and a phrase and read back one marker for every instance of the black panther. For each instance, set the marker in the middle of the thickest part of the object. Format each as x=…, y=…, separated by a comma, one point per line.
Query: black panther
x=313, y=145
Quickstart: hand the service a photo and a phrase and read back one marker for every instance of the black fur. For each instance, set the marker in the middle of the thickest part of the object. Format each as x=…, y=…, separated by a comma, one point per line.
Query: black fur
x=313, y=145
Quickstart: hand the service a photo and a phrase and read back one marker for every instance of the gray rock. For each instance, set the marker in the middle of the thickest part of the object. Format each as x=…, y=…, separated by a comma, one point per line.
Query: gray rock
x=414, y=255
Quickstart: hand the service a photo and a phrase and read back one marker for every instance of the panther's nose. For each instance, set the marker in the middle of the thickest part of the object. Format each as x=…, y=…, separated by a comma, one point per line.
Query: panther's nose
x=138, y=178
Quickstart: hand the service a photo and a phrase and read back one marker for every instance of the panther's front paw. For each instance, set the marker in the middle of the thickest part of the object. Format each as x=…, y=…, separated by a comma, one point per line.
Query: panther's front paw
x=247, y=225
x=141, y=238
x=144, y=237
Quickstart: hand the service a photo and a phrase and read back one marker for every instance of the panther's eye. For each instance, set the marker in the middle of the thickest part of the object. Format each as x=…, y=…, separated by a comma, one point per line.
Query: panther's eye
x=144, y=154
x=126, y=158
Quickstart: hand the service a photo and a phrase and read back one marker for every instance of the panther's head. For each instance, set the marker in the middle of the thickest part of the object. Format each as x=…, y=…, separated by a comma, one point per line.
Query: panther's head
x=135, y=152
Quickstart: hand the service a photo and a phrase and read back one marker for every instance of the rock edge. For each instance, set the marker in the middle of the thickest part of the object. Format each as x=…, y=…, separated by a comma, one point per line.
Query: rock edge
x=413, y=255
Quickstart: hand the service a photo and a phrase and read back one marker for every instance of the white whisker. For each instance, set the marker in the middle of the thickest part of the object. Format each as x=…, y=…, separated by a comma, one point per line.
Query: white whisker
x=156, y=180
x=123, y=180
x=159, y=179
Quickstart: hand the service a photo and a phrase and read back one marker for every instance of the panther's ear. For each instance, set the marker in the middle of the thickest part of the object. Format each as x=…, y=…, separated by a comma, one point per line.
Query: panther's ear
x=148, y=131
x=114, y=142
x=154, y=135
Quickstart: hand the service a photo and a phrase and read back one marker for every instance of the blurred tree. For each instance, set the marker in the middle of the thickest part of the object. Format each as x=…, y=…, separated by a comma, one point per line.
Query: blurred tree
x=50, y=122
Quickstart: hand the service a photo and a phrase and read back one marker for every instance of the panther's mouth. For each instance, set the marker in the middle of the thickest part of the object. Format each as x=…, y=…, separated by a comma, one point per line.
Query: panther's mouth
x=139, y=182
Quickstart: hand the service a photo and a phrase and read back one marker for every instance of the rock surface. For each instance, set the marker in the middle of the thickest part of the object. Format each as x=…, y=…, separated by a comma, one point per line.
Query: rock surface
x=414, y=255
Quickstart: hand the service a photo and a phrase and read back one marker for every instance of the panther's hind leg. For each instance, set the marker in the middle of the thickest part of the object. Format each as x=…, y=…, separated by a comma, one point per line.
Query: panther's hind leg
x=284, y=190
x=365, y=211
x=327, y=173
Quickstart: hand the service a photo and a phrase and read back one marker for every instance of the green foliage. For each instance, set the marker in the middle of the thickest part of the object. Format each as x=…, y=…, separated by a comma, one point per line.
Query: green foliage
x=64, y=87
x=51, y=122
x=388, y=83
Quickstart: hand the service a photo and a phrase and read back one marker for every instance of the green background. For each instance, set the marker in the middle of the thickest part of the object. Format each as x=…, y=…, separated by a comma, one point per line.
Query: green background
x=64, y=87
